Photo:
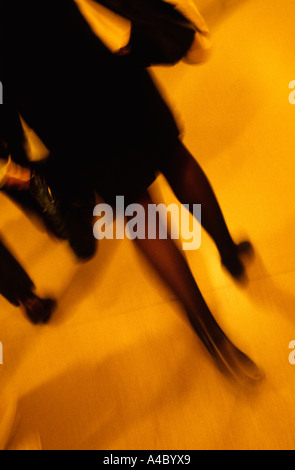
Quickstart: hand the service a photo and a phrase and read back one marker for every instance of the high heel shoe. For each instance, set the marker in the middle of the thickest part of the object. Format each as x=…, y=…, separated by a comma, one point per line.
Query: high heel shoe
x=37, y=310
x=79, y=220
x=233, y=261
x=236, y=363
x=229, y=359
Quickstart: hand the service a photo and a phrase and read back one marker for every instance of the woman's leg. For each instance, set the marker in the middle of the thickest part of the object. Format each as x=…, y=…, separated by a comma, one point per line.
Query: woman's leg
x=172, y=267
x=191, y=186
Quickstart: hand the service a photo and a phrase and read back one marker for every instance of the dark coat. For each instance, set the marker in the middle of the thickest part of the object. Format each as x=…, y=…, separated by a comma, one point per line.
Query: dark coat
x=100, y=115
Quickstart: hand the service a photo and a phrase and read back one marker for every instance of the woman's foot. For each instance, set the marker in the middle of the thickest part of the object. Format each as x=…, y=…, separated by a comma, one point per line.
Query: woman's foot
x=37, y=310
x=235, y=363
x=228, y=357
x=233, y=260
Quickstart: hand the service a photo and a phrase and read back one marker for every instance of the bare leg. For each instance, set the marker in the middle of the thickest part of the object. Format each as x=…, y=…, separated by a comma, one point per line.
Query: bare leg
x=170, y=264
x=191, y=186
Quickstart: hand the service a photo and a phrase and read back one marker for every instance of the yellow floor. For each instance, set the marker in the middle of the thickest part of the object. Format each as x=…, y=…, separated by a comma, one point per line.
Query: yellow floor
x=118, y=367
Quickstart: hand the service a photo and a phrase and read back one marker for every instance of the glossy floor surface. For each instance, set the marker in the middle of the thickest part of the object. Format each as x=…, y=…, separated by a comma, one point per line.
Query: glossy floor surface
x=118, y=367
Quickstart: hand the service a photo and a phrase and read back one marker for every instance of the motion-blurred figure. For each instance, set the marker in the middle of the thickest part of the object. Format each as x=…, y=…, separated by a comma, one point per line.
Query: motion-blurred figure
x=108, y=128
x=15, y=180
x=17, y=287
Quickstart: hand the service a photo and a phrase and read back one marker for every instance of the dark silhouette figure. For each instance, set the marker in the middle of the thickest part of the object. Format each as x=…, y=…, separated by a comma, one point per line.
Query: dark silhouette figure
x=15, y=284
x=17, y=287
x=109, y=130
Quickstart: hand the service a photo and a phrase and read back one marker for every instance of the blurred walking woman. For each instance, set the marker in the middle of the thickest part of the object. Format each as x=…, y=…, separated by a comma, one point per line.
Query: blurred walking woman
x=107, y=128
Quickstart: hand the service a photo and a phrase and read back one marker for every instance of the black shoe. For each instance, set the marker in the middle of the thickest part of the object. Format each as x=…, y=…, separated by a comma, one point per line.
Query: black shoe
x=228, y=358
x=38, y=310
x=233, y=262
x=79, y=220
x=83, y=243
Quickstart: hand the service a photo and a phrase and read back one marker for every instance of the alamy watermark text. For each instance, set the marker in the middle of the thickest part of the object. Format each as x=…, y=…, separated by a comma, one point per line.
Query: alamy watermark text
x=149, y=223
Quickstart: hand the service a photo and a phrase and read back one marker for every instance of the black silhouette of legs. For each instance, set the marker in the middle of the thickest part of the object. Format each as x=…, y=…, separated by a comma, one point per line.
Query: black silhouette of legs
x=172, y=267
x=191, y=186
x=17, y=288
